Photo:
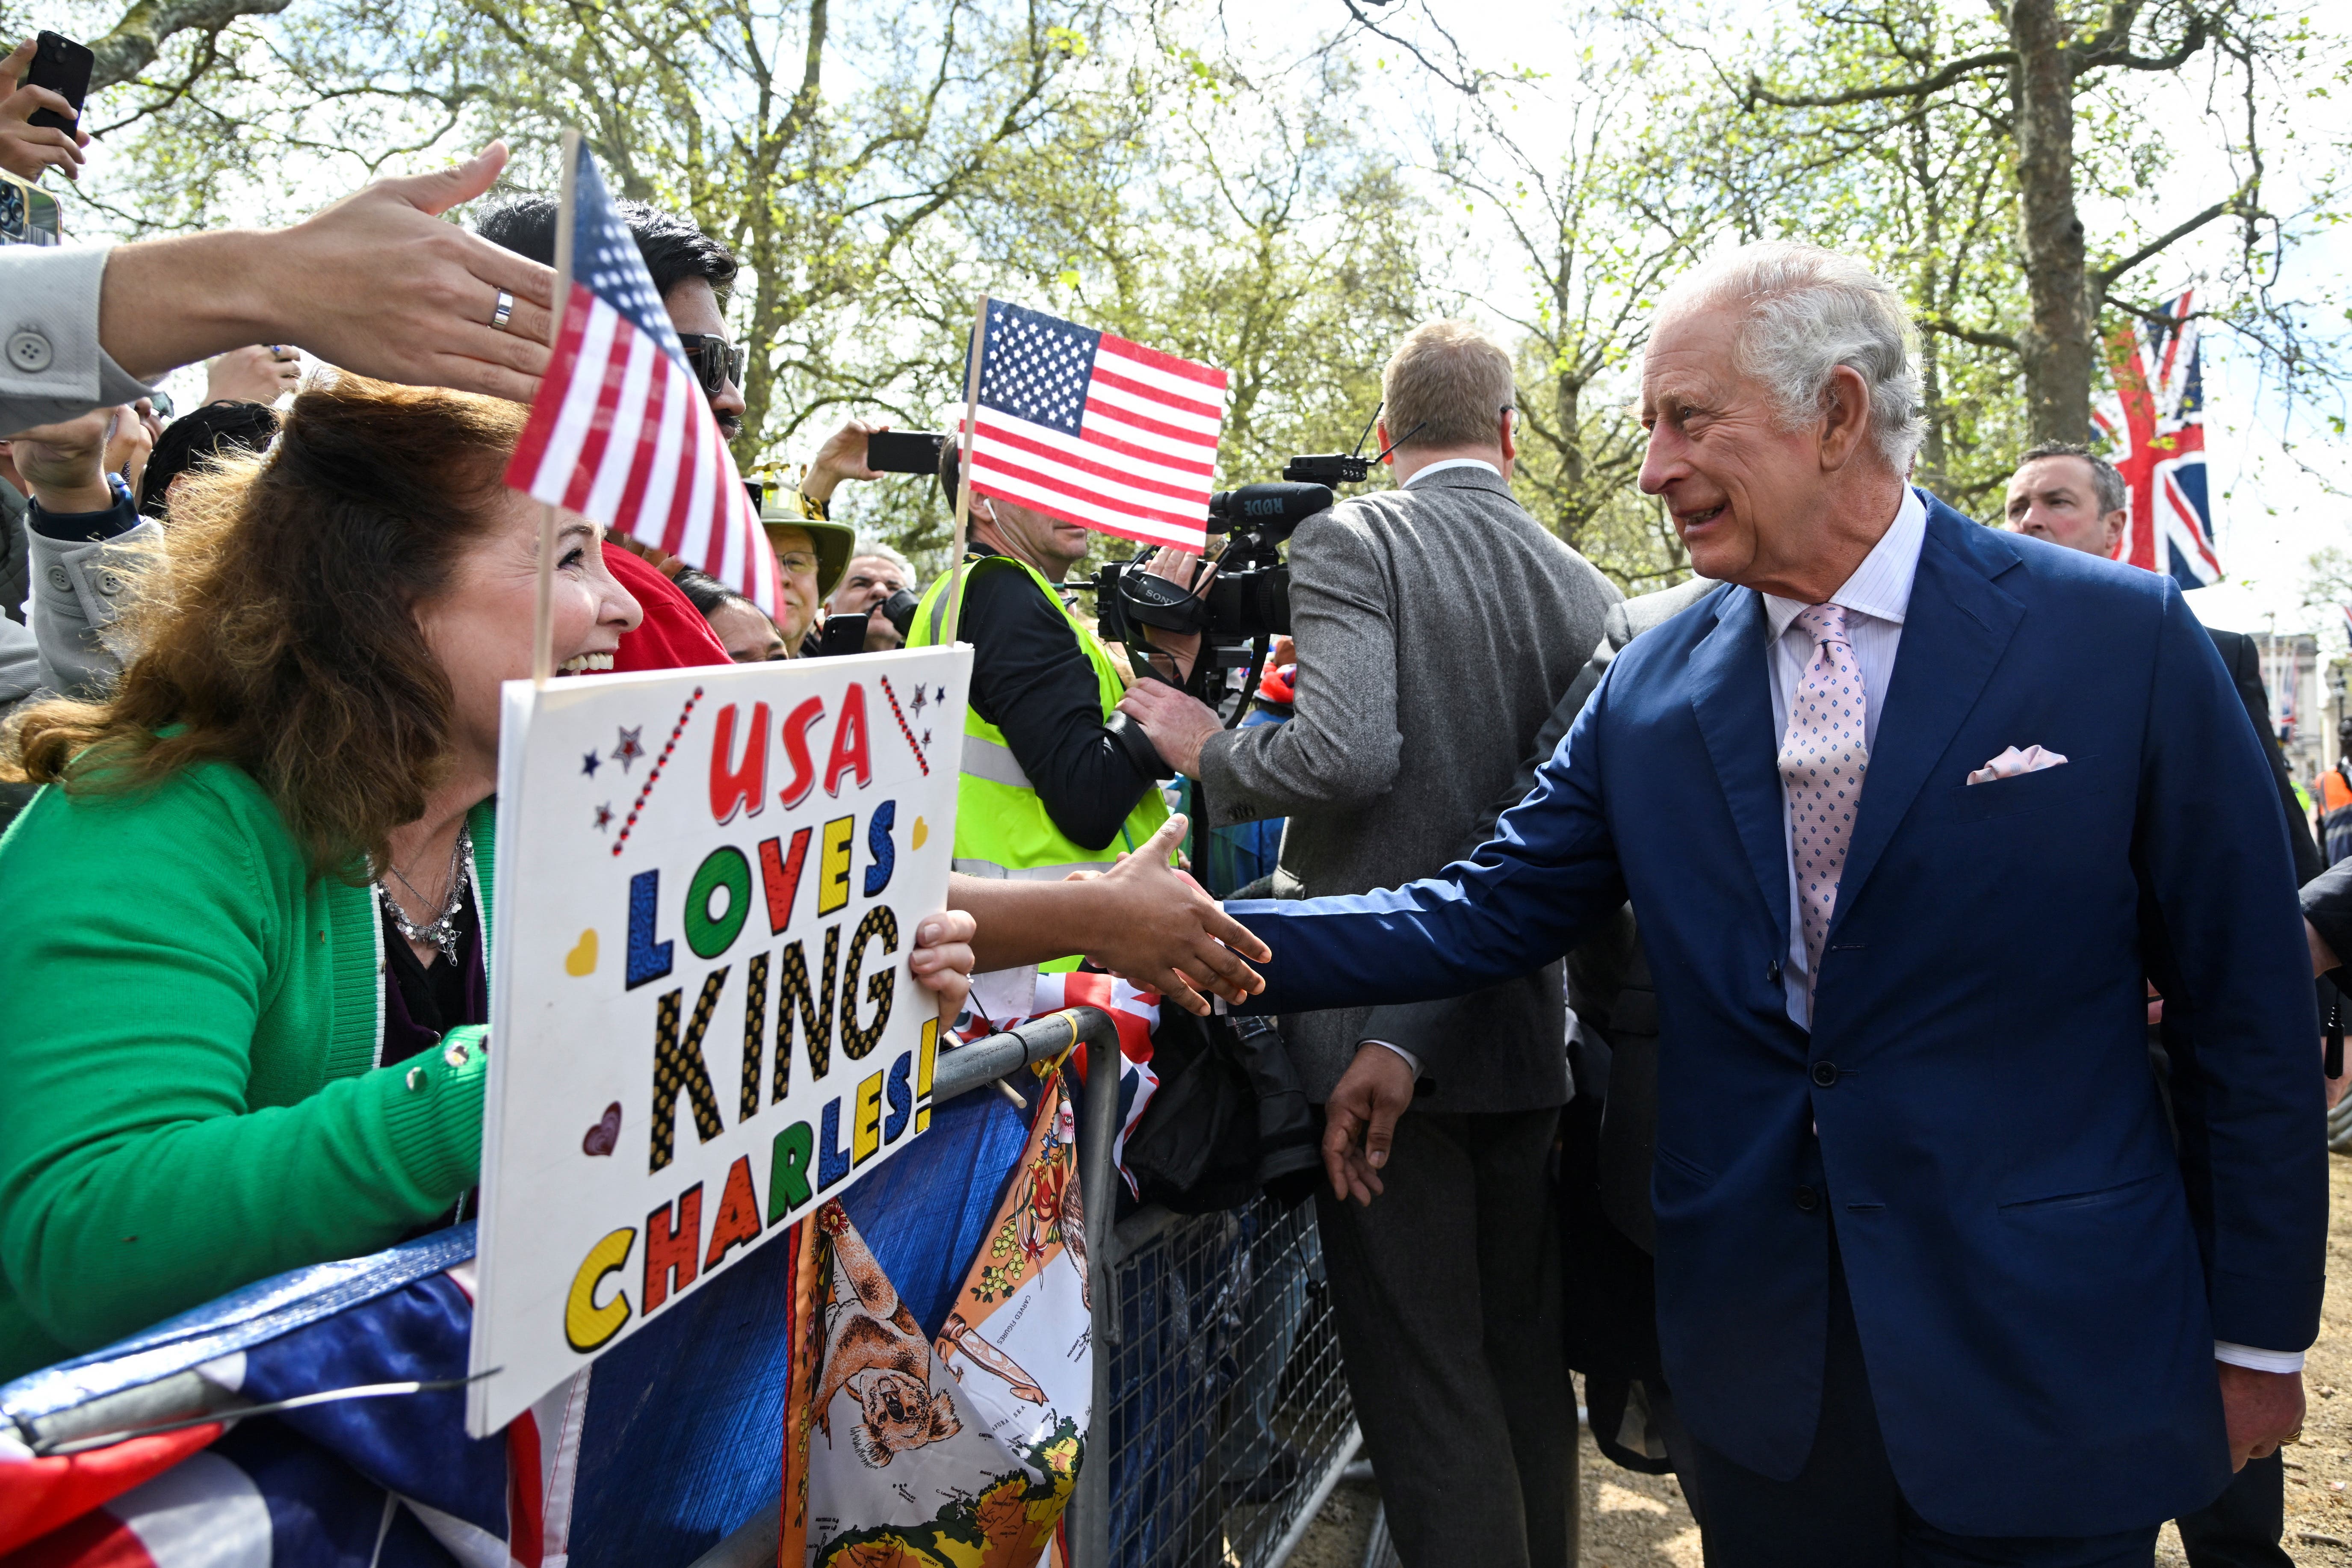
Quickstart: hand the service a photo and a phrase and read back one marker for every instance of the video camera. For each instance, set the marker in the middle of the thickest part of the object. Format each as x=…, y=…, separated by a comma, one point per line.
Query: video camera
x=1248, y=601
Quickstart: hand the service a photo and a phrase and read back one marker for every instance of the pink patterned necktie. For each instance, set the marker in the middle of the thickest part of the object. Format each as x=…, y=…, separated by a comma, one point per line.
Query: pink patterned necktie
x=1822, y=759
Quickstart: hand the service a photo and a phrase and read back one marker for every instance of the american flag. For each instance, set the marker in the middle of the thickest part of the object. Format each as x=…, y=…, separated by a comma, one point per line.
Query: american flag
x=2155, y=422
x=620, y=431
x=1096, y=430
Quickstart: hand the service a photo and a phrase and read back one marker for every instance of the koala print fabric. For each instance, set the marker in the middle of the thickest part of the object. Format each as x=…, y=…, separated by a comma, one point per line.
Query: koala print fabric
x=963, y=1447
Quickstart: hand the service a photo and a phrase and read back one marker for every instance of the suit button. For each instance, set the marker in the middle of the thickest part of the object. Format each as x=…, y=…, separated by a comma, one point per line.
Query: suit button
x=1824, y=1074
x=1773, y=972
x=1807, y=1199
x=29, y=352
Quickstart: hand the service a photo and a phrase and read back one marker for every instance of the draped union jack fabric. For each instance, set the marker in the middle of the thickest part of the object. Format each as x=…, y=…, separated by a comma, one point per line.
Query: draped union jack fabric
x=1091, y=428
x=620, y=431
x=2155, y=425
x=671, y=1443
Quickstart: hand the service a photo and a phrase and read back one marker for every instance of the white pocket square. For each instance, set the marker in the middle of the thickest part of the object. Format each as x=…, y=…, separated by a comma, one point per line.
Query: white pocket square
x=2012, y=762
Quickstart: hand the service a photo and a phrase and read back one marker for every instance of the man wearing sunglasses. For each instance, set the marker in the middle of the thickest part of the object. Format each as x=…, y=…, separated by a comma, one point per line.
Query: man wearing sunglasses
x=691, y=271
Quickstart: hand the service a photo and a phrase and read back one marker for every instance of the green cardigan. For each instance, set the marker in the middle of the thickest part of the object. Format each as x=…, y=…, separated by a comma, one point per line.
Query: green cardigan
x=189, y=1097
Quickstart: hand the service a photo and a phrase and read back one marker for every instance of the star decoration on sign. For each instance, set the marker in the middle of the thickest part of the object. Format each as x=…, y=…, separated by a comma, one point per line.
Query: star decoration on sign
x=604, y=817
x=588, y=764
x=943, y=694
x=921, y=698
x=926, y=740
x=629, y=749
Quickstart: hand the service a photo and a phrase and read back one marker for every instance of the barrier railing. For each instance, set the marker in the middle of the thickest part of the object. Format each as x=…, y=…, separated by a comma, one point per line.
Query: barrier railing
x=1221, y=1416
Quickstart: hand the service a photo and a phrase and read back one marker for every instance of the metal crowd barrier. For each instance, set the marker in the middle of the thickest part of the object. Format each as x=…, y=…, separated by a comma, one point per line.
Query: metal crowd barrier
x=1221, y=1420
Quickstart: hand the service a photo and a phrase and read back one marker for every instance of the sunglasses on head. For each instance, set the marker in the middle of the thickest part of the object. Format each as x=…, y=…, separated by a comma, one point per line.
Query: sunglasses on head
x=716, y=361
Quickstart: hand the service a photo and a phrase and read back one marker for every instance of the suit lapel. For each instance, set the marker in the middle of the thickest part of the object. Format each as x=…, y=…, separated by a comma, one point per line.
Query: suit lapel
x=1732, y=696
x=1954, y=632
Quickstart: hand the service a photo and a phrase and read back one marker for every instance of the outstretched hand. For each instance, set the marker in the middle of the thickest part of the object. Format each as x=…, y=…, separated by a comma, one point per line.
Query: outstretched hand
x=1162, y=930
x=1360, y=1121
x=377, y=284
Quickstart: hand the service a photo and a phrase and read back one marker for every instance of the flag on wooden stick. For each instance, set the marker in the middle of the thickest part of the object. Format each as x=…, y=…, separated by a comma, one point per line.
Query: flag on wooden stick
x=620, y=431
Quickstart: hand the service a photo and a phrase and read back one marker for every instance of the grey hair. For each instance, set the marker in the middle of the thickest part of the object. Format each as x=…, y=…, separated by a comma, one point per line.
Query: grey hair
x=2107, y=480
x=1810, y=310
x=881, y=552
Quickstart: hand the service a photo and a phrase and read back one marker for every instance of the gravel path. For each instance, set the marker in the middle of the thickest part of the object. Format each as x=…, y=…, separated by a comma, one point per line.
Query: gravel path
x=1639, y=1522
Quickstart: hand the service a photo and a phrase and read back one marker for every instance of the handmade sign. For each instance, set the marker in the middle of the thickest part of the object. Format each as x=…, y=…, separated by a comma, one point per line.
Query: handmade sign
x=705, y=896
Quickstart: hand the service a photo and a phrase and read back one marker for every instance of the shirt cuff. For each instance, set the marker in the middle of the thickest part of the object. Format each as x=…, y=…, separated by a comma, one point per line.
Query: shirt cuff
x=2255, y=1360
x=84, y=527
x=1409, y=1060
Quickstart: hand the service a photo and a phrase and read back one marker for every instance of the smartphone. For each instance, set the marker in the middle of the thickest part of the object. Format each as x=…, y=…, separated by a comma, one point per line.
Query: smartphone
x=904, y=451
x=842, y=634
x=63, y=67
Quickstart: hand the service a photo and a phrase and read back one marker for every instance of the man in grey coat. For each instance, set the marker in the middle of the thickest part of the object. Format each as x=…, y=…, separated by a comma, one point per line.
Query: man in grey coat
x=1437, y=625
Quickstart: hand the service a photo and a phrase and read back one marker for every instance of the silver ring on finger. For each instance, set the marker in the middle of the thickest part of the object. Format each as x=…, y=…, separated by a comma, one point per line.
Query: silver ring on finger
x=503, y=313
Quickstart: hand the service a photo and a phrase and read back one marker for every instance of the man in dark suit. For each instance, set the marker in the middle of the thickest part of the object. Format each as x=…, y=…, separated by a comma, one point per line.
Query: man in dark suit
x=1932, y=1286
x=2074, y=498
x=1438, y=624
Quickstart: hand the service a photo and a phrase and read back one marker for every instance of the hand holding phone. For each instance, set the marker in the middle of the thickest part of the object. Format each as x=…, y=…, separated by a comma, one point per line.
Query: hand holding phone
x=42, y=86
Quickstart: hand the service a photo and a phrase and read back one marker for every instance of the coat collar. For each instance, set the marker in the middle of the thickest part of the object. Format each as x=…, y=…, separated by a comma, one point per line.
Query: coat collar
x=1961, y=623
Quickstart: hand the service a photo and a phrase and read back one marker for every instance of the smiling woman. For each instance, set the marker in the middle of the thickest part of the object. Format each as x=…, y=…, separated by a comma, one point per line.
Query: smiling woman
x=241, y=949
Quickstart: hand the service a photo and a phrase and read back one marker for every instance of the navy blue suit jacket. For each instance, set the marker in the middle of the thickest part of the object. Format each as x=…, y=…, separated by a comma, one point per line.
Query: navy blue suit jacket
x=2037, y=1283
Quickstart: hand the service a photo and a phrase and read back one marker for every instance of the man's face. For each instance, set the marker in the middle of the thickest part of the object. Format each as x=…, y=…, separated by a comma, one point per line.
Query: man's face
x=1048, y=543
x=1744, y=494
x=2057, y=499
x=869, y=579
x=866, y=586
x=796, y=577
x=694, y=308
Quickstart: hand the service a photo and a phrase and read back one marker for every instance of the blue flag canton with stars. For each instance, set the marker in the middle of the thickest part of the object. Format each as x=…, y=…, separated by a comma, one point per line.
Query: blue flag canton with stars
x=1037, y=366
x=606, y=258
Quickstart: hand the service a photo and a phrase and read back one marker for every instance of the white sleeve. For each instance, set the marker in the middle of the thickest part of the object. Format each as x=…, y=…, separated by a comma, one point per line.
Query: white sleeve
x=51, y=366
x=2255, y=1360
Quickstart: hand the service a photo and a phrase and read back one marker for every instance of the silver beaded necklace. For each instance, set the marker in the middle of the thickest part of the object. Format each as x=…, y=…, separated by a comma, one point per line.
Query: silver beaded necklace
x=441, y=931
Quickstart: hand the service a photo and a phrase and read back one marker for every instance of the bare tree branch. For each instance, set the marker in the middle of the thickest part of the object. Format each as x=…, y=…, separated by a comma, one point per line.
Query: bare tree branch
x=131, y=45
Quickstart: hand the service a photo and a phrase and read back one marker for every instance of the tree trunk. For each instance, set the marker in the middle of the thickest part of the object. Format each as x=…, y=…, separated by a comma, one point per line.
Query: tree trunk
x=2058, y=340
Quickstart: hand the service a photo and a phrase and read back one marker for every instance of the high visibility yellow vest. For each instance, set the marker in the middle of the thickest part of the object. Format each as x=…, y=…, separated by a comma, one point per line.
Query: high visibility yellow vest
x=1003, y=828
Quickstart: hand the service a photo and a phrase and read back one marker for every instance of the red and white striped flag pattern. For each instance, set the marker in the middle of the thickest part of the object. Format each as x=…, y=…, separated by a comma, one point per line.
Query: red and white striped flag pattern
x=620, y=431
x=1096, y=430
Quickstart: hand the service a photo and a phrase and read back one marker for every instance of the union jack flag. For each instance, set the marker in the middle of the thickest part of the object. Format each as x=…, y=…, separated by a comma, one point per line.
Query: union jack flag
x=620, y=431
x=2155, y=422
x=1091, y=428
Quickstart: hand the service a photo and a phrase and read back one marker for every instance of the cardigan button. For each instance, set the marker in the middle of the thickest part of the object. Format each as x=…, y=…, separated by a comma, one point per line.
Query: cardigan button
x=416, y=1079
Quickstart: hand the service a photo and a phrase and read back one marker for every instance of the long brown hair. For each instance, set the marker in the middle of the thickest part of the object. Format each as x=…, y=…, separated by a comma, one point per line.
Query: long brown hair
x=279, y=634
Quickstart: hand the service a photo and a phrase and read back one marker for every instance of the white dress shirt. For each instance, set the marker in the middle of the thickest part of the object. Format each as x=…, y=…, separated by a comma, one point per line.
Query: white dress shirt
x=1439, y=468
x=1876, y=599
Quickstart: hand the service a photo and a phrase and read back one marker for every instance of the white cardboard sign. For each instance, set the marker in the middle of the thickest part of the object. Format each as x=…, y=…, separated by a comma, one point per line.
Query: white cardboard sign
x=706, y=889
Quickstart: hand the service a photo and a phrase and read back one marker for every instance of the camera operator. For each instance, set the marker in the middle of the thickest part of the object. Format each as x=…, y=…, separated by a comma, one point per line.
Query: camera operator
x=1437, y=625
x=1054, y=778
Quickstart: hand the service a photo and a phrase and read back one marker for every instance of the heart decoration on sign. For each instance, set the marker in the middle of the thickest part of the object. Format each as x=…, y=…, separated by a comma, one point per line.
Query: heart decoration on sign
x=582, y=959
x=605, y=1134
x=922, y=832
